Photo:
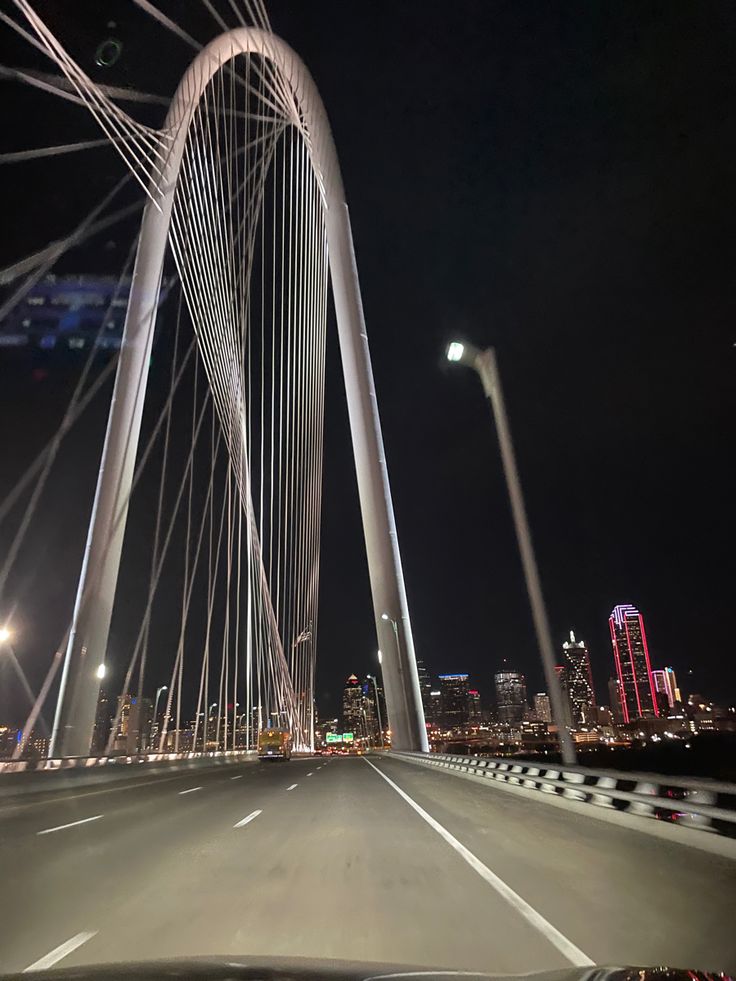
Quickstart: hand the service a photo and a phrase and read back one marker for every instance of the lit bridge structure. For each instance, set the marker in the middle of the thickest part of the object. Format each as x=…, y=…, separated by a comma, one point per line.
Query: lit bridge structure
x=194, y=848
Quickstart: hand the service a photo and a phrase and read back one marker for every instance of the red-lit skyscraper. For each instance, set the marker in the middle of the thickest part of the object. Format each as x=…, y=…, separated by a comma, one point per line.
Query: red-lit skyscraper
x=631, y=654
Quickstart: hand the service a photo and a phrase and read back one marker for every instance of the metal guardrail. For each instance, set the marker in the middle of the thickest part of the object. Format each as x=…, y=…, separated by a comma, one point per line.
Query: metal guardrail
x=706, y=805
x=91, y=762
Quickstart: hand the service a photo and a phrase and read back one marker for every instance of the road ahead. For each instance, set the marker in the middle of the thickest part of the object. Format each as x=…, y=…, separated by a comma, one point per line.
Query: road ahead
x=325, y=858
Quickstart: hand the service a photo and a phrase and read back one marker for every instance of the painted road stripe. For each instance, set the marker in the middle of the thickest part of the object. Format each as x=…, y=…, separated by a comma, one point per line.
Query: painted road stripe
x=73, y=824
x=246, y=820
x=124, y=785
x=190, y=791
x=55, y=955
x=557, y=939
x=309, y=774
x=239, y=777
x=292, y=786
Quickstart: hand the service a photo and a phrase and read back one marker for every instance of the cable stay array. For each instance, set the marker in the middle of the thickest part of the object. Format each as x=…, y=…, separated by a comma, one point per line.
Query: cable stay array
x=217, y=596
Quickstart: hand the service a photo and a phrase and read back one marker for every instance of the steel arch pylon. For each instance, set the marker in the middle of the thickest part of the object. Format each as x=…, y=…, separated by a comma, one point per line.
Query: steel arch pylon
x=75, y=711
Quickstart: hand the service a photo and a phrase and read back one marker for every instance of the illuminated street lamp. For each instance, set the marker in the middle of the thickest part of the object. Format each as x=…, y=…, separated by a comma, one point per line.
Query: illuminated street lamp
x=158, y=695
x=484, y=362
x=5, y=635
x=101, y=671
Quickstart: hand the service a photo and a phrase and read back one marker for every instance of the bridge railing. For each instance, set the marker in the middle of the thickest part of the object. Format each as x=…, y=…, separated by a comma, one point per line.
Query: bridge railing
x=705, y=805
x=91, y=762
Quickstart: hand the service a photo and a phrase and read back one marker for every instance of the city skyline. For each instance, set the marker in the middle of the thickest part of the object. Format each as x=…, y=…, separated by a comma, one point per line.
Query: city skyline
x=600, y=660
x=484, y=685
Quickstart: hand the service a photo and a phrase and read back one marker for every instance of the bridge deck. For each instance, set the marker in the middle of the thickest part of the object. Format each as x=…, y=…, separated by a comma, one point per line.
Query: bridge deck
x=341, y=866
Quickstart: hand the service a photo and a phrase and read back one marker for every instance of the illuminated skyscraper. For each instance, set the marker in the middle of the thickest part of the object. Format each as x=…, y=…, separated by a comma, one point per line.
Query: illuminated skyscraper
x=425, y=686
x=352, y=707
x=473, y=707
x=579, y=678
x=510, y=696
x=561, y=672
x=133, y=732
x=631, y=654
x=614, y=696
x=542, y=708
x=434, y=715
x=666, y=682
x=454, y=688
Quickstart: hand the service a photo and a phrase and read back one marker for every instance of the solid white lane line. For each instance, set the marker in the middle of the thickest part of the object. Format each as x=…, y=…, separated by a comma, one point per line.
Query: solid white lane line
x=72, y=824
x=55, y=955
x=566, y=947
x=292, y=786
x=246, y=820
x=239, y=777
x=190, y=791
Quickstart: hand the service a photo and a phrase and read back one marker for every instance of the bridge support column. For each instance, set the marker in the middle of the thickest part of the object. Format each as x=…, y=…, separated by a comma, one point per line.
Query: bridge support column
x=87, y=643
x=400, y=676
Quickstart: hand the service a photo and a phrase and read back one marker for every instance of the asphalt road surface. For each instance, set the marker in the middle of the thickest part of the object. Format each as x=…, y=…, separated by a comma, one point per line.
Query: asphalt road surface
x=327, y=858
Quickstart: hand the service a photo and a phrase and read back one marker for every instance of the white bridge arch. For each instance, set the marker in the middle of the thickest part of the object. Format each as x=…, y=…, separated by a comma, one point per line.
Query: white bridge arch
x=88, y=637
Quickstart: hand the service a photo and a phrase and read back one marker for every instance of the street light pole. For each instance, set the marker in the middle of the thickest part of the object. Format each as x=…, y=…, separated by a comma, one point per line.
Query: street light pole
x=372, y=677
x=484, y=362
x=155, y=706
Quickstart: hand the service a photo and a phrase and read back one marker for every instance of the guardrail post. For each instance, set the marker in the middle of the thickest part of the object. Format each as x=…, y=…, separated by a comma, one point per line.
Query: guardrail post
x=549, y=788
x=573, y=777
x=532, y=771
x=603, y=800
x=639, y=807
x=699, y=821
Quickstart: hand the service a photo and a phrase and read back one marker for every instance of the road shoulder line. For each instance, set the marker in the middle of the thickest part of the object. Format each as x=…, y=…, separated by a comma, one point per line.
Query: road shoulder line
x=566, y=947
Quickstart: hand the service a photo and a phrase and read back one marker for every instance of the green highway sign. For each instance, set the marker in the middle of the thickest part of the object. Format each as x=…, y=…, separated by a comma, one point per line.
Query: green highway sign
x=347, y=737
x=339, y=737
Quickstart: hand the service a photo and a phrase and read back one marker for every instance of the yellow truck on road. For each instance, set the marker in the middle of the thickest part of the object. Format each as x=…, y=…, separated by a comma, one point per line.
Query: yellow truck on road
x=274, y=744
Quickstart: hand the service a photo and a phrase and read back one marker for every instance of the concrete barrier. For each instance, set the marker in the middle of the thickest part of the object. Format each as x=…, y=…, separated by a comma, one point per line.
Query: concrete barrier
x=23, y=777
x=704, y=805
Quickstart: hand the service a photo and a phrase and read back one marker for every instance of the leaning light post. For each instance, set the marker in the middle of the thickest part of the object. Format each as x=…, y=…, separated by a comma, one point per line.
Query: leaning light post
x=484, y=362
x=155, y=711
x=372, y=677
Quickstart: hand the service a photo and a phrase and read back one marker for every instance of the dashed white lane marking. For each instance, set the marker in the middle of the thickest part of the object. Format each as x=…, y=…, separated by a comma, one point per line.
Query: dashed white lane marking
x=72, y=824
x=190, y=791
x=246, y=820
x=292, y=786
x=309, y=774
x=239, y=777
x=566, y=947
x=55, y=955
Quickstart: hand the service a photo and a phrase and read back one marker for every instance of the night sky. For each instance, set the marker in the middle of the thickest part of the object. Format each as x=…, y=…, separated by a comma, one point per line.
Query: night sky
x=552, y=178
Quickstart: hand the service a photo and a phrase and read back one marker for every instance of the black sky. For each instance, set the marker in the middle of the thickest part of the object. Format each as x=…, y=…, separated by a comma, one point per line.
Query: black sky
x=553, y=178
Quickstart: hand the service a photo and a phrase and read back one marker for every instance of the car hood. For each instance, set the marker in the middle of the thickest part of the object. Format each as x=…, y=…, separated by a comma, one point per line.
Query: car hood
x=233, y=968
